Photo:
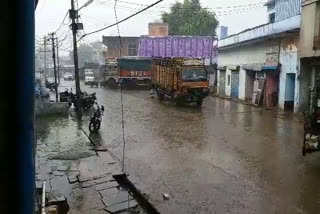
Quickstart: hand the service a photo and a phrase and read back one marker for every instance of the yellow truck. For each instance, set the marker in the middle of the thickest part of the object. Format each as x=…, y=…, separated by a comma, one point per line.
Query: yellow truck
x=181, y=80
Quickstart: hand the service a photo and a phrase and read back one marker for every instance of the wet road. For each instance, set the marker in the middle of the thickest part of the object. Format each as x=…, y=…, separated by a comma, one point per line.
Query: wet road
x=225, y=157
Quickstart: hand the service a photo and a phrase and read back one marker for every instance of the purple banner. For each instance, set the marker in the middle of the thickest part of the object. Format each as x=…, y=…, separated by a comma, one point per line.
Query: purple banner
x=168, y=47
x=178, y=46
x=155, y=47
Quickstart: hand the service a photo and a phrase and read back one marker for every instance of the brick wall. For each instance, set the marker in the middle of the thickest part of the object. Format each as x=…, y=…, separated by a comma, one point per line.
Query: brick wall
x=158, y=29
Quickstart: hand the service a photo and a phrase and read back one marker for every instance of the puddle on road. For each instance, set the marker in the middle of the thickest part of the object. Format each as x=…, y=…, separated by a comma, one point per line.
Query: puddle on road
x=61, y=137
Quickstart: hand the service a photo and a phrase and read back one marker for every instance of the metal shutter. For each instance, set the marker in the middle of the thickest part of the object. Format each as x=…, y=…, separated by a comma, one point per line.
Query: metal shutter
x=235, y=84
x=222, y=83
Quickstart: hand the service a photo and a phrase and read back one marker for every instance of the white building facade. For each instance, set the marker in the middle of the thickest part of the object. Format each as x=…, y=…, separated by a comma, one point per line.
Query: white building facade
x=261, y=65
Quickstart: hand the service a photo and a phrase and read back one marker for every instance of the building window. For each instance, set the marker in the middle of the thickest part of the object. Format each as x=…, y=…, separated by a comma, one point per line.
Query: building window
x=132, y=49
x=228, y=80
x=272, y=17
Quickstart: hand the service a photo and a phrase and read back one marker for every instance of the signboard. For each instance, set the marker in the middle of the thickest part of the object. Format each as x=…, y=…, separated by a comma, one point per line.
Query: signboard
x=135, y=74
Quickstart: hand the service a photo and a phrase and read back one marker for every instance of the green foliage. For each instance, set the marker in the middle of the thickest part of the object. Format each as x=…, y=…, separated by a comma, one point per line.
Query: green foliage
x=85, y=52
x=189, y=18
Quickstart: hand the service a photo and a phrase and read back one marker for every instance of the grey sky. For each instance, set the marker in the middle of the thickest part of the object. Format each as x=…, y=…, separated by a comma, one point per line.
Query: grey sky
x=236, y=14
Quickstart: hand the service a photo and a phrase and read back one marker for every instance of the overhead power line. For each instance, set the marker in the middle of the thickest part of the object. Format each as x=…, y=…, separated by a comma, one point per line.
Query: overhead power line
x=214, y=8
x=125, y=19
x=85, y=5
x=62, y=23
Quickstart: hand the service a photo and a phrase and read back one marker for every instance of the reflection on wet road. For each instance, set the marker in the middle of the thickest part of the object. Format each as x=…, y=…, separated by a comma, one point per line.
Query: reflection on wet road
x=225, y=157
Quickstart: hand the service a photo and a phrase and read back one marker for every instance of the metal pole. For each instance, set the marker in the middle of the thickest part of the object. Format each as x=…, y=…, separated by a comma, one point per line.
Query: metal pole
x=43, y=201
x=58, y=61
x=54, y=66
x=75, y=57
x=45, y=57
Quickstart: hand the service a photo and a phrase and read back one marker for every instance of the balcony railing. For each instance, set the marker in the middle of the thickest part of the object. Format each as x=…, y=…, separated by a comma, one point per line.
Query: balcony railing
x=316, y=43
x=262, y=31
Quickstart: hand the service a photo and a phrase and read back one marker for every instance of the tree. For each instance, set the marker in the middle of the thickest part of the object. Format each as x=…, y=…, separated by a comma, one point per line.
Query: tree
x=90, y=52
x=189, y=18
x=85, y=52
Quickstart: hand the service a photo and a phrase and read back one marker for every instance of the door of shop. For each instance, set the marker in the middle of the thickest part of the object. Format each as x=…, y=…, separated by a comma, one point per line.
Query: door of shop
x=272, y=89
x=222, y=83
x=289, y=91
x=250, y=77
x=235, y=84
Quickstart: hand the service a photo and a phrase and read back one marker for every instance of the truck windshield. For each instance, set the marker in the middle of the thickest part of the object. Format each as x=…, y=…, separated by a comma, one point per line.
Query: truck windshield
x=191, y=75
x=112, y=67
x=89, y=74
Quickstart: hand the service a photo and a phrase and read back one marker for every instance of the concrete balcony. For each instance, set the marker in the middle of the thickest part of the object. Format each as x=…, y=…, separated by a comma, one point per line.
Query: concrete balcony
x=259, y=32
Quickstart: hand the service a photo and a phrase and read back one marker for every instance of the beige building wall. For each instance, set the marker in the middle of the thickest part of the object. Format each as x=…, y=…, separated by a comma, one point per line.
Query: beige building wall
x=310, y=28
x=158, y=29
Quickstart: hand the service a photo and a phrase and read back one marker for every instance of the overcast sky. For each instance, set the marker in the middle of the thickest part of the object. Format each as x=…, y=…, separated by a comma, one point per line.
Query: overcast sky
x=235, y=14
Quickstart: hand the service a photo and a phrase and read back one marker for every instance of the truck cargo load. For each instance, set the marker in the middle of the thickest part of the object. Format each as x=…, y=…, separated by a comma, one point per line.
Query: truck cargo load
x=203, y=47
x=182, y=80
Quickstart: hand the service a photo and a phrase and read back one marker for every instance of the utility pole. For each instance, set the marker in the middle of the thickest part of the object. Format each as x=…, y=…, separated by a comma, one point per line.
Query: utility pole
x=45, y=57
x=58, y=60
x=74, y=26
x=54, y=66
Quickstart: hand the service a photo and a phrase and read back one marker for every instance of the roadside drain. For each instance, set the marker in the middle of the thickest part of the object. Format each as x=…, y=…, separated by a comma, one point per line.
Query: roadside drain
x=125, y=183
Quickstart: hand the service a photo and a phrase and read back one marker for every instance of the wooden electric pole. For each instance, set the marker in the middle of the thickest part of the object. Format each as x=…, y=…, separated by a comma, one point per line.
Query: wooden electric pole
x=58, y=60
x=74, y=27
x=45, y=57
x=54, y=66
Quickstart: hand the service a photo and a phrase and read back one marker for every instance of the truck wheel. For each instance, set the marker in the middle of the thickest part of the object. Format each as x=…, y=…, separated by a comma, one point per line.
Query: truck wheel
x=199, y=102
x=112, y=83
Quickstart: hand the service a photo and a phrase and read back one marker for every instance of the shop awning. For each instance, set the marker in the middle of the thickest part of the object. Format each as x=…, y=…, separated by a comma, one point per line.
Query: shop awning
x=222, y=68
x=234, y=68
x=252, y=67
x=270, y=67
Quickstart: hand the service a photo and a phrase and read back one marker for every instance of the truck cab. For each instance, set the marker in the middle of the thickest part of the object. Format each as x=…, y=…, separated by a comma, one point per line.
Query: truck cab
x=89, y=78
x=110, y=76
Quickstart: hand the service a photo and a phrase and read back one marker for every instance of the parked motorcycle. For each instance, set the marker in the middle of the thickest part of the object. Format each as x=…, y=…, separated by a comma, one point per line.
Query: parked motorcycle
x=87, y=100
x=50, y=85
x=95, y=121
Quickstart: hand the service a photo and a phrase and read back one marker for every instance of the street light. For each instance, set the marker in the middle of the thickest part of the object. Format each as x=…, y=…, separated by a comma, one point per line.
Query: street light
x=86, y=4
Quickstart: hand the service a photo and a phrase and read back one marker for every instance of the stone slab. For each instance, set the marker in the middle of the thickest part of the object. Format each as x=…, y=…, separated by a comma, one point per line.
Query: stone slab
x=72, y=179
x=108, y=192
x=93, y=167
x=122, y=206
x=87, y=184
x=61, y=185
x=89, y=178
x=106, y=185
x=106, y=157
x=106, y=178
x=117, y=198
x=58, y=173
x=67, y=168
x=87, y=201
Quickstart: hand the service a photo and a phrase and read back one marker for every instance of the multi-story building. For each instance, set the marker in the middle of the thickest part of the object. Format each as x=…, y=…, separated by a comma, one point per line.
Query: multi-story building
x=309, y=50
x=129, y=46
x=260, y=65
